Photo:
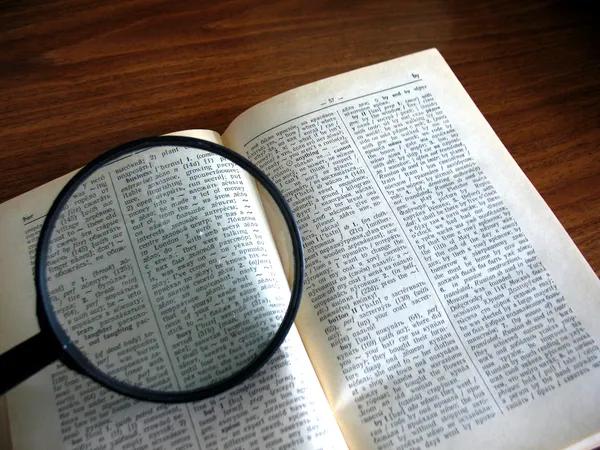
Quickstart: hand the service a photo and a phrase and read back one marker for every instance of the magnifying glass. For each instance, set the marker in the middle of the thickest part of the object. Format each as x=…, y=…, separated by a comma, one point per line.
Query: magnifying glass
x=157, y=276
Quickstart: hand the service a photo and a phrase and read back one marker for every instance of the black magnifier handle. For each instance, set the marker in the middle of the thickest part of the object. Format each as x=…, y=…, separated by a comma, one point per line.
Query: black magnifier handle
x=26, y=359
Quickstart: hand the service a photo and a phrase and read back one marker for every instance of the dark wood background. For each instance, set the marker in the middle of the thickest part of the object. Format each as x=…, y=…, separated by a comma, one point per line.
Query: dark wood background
x=78, y=77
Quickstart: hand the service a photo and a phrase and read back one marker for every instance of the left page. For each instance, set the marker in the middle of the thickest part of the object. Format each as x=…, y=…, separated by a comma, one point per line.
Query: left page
x=281, y=405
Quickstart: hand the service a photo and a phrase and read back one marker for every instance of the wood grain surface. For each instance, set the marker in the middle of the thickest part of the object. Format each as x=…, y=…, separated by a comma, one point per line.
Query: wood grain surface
x=78, y=77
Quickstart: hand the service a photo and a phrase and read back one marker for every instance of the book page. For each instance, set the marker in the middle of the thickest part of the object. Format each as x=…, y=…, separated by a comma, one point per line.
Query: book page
x=445, y=306
x=282, y=405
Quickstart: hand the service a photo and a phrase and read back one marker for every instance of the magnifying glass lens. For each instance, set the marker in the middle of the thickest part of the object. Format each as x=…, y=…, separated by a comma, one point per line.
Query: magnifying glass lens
x=162, y=272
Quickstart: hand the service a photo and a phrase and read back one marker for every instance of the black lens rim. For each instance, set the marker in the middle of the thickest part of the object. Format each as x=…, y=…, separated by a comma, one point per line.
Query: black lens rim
x=75, y=359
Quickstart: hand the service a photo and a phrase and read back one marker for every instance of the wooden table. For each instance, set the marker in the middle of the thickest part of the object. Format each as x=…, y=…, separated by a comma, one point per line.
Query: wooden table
x=78, y=77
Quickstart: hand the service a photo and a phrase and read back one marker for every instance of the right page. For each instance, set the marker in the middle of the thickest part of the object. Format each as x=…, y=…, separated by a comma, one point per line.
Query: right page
x=444, y=305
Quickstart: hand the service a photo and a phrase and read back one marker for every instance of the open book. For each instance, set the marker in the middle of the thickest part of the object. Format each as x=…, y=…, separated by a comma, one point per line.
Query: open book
x=444, y=304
